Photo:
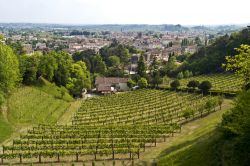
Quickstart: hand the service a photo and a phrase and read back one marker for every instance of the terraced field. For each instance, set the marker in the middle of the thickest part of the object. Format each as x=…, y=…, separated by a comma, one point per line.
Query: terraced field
x=110, y=127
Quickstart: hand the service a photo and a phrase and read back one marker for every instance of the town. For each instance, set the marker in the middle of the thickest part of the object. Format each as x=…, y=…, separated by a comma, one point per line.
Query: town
x=160, y=44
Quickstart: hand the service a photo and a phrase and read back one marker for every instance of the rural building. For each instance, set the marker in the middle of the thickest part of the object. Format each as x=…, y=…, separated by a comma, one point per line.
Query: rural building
x=111, y=84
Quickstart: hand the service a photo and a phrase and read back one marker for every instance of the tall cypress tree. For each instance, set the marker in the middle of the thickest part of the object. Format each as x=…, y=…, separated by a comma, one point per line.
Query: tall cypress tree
x=141, y=67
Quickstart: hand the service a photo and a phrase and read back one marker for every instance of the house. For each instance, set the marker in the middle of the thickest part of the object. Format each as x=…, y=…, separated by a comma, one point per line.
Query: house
x=41, y=46
x=111, y=84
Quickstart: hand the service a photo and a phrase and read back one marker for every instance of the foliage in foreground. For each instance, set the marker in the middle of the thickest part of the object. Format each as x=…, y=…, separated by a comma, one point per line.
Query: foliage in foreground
x=236, y=123
x=240, y=63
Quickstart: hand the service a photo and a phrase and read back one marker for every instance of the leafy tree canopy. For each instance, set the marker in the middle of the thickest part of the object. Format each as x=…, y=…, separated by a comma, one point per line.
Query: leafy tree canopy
x=9, y=69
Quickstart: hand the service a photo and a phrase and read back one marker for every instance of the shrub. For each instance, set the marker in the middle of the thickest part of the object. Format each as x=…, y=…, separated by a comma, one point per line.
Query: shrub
x=142, y=83
x=180, y=76
x=131, y=83
x=175, y=84
x=205, y=86
x=193, y=84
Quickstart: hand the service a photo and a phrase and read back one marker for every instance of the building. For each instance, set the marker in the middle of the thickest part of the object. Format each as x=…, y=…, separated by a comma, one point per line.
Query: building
x=111, y=84
x=41, y=46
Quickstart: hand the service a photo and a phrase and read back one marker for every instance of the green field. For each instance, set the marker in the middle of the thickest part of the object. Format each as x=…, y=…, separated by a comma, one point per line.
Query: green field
x=120, y=126
x=226, y=83
x=5, y=128
x=29, y=105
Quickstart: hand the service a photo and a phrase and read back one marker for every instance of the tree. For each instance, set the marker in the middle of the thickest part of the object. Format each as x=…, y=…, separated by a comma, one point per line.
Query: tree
x=205, y=86
x=114, y=61
x=209, y=105
x=141, y=67
x=154, y=66
x=170, y=67
x=125, y=56
x=210, y=59
x=156, y=78
x=9, y=69
x=236, y=122
x=240, y=63
x=139, y=34
x=187, y=74
x=79, y=78
x=64, y=62
x=98, y=65
x=115, y=72
x=47, y=66
x=29, y=67
x=180, y=75
x=142, y=83
x=193, y=84
x=198, y=41
x=175, y=84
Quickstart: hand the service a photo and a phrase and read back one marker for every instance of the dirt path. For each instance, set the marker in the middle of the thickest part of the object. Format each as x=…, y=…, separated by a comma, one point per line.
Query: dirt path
x=67, y=116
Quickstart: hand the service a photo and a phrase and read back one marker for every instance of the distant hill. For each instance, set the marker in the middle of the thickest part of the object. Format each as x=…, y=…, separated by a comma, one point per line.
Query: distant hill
x=125, y=27
x=210, y=59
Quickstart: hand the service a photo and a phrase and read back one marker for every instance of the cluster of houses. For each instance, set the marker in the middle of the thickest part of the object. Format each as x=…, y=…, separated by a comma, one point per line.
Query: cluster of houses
x=94, y=44
x=160, y=47
x=153, y=46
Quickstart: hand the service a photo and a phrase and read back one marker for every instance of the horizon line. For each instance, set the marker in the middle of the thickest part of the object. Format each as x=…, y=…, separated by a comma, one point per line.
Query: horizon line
x=89, y=24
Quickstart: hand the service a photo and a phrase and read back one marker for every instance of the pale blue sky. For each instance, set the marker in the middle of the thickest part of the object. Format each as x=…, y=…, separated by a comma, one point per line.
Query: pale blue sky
x=126, y=11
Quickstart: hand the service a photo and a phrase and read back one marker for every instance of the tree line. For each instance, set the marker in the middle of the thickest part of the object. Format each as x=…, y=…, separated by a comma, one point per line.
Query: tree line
x=56, y=67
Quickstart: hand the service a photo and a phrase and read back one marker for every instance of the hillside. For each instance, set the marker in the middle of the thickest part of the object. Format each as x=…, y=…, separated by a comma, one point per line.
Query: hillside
x=31, y=105
x=210, y=59
x=36, y=107
x=112, y=127
x=195, y=145
x=221, y=82
x=5, y=128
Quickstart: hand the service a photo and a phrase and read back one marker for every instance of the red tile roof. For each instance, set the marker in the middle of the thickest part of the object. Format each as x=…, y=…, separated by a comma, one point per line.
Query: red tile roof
x=110, y=80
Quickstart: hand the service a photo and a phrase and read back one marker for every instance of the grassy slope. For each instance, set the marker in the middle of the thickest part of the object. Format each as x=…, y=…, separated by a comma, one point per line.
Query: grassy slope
x=29, y=106
x=53, y=90
x=193, y=146
x=5, y=128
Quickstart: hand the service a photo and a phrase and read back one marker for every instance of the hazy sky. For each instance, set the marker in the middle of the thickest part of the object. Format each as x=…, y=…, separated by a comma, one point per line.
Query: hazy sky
x=126, y=11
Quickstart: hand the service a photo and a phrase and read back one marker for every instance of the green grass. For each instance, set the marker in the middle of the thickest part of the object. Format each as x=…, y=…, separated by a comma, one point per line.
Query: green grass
x=5, y=128
x=198, y=151
x=29, y=105
x=52, y=89
x=202, y=146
